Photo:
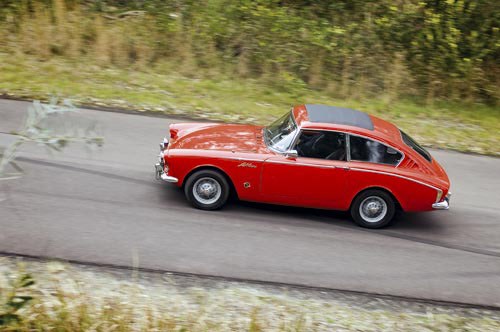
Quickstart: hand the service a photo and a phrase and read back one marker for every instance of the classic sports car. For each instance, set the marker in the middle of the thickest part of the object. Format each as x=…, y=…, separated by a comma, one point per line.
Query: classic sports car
x=314, y=156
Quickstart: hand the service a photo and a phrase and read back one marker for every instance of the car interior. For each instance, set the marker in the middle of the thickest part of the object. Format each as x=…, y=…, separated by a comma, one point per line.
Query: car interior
x=322, y=145
x=332, y=146
x=363, y=149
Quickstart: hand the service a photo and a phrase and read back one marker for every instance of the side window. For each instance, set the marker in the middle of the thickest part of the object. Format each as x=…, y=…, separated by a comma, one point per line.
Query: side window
x=322, y=144
x=363, y=149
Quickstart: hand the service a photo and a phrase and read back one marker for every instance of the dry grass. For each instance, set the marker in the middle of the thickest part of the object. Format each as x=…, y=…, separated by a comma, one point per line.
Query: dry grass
x=102, y=59
x=256, y=41
x=47, y=32
x=75, y=298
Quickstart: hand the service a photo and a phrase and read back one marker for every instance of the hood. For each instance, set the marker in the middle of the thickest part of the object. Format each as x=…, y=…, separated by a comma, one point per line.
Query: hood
x=213, y=136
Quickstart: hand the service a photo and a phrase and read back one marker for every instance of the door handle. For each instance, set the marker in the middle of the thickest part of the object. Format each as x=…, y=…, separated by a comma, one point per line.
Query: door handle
x=345, y=168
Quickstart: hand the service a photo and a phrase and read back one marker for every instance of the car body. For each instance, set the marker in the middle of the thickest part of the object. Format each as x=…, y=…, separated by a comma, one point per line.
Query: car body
x=315, y=156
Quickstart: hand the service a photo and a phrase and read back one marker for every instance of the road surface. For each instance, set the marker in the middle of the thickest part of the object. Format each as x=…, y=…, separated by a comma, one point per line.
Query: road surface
x=105, y=207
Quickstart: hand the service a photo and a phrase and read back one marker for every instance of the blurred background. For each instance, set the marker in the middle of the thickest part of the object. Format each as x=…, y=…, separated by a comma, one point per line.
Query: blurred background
x=430, y=66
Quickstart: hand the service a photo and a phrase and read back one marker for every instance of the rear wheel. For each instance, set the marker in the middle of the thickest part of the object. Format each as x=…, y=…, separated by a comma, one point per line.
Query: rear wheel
x=373, y=209
x=207, y=190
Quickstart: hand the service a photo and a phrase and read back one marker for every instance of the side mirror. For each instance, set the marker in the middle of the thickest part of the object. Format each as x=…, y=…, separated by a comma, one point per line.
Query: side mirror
x=291, y=154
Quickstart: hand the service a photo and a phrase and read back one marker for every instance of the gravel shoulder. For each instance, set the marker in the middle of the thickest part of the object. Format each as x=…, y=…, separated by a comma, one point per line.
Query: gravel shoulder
x=149, y=300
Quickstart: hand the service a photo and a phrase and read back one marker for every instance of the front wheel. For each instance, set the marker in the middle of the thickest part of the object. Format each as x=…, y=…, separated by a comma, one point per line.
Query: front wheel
x=207, y=190
x=373, y=209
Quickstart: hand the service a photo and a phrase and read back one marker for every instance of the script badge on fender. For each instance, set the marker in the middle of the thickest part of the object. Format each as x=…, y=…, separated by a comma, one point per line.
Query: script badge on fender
x=246, y=164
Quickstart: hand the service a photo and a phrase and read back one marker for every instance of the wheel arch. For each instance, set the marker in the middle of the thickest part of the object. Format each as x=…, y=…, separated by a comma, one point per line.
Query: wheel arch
x=212, y=168
x=387, y=191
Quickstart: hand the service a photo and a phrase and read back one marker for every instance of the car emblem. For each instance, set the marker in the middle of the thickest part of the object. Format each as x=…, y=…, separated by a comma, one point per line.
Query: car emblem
x=245, y=164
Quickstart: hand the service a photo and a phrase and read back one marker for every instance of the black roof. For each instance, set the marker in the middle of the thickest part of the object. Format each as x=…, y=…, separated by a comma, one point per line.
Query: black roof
x=339, y=115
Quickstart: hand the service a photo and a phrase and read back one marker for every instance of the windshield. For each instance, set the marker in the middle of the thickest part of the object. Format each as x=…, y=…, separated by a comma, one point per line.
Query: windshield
x=279, y=134
x=415, y=146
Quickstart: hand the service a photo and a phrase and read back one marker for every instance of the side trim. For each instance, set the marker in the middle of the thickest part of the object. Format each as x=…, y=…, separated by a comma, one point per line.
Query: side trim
x=242, y=159
x=395, y=175
x=301, y=164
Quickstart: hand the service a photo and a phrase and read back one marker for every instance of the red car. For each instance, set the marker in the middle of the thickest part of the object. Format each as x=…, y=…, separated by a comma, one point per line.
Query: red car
x=314, y=156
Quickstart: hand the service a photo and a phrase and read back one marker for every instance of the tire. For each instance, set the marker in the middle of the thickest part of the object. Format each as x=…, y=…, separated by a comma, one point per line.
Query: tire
x=373, y=209
x=207, y=190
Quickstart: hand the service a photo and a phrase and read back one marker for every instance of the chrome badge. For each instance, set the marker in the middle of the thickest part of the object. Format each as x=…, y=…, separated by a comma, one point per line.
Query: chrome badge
x=247, y=164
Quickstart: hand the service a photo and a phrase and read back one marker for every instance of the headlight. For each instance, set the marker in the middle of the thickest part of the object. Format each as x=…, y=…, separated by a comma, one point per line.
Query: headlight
x=164, y=144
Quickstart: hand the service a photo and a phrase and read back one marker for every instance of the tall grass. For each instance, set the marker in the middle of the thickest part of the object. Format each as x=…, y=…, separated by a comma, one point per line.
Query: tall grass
x=353, y=51
x=75, y=33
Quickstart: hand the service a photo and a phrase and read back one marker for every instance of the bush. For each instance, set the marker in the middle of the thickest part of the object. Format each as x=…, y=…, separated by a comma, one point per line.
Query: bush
x=428, y=49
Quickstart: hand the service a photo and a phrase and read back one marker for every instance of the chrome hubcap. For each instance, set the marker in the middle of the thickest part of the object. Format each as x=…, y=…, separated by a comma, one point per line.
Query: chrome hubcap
x=206, y=190
x=373, y=209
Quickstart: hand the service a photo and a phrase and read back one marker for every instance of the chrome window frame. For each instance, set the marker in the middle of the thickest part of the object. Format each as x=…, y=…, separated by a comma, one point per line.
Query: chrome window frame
x=348, y=143
x=348, y=146
x=412, y=149
x=270, y=147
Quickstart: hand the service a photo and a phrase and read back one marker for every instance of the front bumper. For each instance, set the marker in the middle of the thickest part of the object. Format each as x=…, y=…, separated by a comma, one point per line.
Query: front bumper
x=160, y=174
x=160, y=166
x=444, y=205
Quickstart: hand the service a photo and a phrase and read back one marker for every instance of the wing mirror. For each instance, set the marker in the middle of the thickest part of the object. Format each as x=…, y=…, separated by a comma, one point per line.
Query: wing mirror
x=291, y=154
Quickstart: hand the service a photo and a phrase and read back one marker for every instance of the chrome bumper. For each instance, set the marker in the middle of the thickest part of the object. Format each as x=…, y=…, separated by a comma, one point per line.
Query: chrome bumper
x=168, y=178
x=161, y=175
x=444, y=205
x=159, y=166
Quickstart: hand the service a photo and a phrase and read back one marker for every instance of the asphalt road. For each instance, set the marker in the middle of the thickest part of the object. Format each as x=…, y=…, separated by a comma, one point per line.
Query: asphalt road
x=105, y=207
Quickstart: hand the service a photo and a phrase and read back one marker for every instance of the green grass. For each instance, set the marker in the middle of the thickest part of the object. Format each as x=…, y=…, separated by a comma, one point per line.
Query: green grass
x=464, y=127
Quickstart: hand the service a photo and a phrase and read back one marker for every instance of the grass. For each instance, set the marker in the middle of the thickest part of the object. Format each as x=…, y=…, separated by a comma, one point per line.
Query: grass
x=463, y=127
x=78, y=298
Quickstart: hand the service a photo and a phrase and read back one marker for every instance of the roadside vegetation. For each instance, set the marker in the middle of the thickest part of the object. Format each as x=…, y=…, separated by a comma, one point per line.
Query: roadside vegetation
x=431, y=67
x=79, y=298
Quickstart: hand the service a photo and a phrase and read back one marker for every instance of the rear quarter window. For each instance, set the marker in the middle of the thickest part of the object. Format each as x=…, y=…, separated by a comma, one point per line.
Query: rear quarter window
x=415, y=146
x=363, y=149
